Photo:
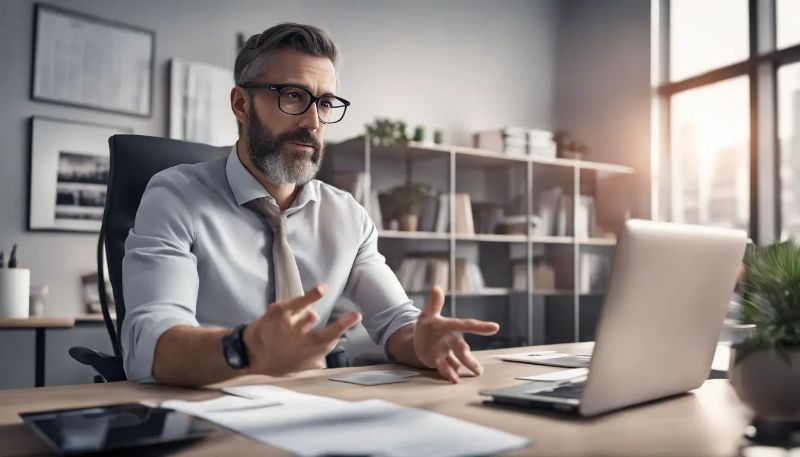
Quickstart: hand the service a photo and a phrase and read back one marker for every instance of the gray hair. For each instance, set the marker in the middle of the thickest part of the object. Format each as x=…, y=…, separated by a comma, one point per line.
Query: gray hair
x=257, y=50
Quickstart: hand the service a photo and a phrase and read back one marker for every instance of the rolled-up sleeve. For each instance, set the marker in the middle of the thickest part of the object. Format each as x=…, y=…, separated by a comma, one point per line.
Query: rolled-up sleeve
x=373, y=287
x=159, y=272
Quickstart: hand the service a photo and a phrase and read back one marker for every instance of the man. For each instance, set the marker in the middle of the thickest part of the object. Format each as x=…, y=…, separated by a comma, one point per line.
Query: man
x=214, y=243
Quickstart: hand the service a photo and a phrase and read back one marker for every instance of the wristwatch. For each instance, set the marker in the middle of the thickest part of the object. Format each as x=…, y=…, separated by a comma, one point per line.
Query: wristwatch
x=234, y=350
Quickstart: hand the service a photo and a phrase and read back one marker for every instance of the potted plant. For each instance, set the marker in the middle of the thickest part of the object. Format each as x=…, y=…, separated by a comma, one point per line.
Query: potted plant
x=406, y=199
x=419, y=134
x=765, y=367
x=569, y=147
x=386, y=132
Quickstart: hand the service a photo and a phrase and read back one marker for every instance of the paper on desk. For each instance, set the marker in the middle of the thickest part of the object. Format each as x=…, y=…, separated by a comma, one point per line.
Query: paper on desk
x=561, y=375
x=221, y=404
x=278, y=394
x=544, y=355
x=311, y=425
x=377, y=427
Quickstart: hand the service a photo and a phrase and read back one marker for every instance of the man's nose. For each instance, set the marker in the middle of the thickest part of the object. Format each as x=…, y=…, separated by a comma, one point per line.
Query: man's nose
x=310, y=119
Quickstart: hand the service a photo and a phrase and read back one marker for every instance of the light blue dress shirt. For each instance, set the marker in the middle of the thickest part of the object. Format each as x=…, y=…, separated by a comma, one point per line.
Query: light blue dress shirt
x=196, y=256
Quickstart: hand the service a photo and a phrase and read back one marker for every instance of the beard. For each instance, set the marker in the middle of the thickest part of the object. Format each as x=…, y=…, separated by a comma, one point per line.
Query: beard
x=282, y=167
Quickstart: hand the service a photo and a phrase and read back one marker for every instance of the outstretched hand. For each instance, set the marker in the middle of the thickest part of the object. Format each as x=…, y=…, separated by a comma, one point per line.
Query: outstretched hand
x=282, y=340
x=439, y=341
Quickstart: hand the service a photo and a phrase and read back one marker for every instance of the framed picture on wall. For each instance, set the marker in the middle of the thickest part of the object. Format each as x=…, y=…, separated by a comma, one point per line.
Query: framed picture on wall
x=86, y=61
x=199, y=103
x=69, y=165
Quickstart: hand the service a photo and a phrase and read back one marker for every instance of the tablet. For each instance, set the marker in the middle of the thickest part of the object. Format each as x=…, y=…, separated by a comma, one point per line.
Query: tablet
x=112, y=427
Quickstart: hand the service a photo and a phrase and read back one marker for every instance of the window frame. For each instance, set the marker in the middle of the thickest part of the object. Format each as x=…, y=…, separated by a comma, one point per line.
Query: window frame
x=761, y=68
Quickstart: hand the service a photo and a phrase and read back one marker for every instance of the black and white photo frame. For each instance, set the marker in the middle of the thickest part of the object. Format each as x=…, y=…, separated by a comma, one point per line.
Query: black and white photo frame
x=69, y=164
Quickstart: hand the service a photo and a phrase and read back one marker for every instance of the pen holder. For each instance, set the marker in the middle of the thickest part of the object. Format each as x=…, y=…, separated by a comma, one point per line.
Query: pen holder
x=15, y=286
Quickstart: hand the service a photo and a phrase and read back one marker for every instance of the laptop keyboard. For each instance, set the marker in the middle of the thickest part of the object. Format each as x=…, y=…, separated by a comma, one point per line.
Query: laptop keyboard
x=569, y=361
x=568, y=390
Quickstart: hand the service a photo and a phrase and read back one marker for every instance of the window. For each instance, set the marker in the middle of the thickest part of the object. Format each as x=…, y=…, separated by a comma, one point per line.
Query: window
x=788, y=26
x=705, y=35
x=727, y=130
x=710, y=139
x=789, y=143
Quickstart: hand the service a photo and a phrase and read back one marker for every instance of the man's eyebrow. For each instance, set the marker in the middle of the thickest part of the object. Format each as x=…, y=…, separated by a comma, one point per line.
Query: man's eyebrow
x=303, y=86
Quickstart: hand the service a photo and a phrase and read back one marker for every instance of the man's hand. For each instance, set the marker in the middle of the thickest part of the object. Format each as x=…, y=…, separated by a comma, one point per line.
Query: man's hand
x=439, y=341
x=281, y=341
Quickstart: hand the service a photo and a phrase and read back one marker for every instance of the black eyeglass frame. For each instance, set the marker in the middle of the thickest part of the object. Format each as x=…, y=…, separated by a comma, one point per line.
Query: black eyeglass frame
x=312, y=99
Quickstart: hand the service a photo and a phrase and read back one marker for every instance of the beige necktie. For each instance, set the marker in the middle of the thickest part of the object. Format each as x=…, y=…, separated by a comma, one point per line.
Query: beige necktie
x=287, y=276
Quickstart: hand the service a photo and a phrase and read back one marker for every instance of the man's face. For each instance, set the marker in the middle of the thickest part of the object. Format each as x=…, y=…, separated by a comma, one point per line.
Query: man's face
x=289, y=148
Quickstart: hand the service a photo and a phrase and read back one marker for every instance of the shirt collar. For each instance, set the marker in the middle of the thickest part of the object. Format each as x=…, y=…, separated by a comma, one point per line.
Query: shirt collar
x=245, y=187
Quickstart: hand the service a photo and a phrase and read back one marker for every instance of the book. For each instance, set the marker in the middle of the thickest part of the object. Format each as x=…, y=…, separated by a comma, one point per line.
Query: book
x=593, y=273
x=488, y=217
x=421, y=273
x=443, y=214
x=427, y=214
x=374, y=210
x=585, y=219
x=543, y=277
x=464, y=222
x=515, y=224
x=475, y=280
x=517, y=141
x=356, y=183
x=547, y=210
x=509, y=140
x=564, y=216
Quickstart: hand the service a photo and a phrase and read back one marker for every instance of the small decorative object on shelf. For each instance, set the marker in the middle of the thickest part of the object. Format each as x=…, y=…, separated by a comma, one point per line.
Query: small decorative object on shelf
x=91, y=293
x=419, y=133
x=38, y=296
x=765, y=365
x=569, y=146
x=386, y=132
x=438, y=136
x=406, y=200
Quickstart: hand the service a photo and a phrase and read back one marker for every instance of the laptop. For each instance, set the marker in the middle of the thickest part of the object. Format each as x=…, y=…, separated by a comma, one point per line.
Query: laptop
x=658, y=327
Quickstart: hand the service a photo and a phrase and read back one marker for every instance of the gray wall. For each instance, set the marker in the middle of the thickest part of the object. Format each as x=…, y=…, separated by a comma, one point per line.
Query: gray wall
x=602, y=89
x=456, y=65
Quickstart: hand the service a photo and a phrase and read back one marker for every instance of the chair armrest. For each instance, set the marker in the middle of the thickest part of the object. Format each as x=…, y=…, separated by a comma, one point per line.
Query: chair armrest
x=108, y=366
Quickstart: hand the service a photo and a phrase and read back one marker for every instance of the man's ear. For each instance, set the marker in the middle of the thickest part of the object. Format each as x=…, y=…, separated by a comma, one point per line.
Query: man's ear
x=240, y=104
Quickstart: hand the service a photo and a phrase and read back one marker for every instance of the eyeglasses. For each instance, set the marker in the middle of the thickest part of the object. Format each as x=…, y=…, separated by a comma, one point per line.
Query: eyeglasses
x=296, y=100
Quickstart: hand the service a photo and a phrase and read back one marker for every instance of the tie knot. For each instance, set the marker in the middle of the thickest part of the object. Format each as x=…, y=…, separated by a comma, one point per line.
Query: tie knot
x=268, y=208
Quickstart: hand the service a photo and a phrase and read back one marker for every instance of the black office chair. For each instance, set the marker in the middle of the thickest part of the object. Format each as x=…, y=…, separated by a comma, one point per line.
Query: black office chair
x=134, y=160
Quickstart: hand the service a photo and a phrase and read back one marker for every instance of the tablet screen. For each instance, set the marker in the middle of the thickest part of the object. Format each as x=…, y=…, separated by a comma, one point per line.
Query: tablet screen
x=101, y=428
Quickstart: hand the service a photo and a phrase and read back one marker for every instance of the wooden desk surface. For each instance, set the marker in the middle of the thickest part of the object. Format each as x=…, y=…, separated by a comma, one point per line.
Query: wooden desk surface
x=707, y=421
x=51, y=322
x=37, y=322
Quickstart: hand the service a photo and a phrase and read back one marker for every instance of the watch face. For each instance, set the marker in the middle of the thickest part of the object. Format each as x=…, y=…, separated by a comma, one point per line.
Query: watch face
x=232, y=357
x=235, y=360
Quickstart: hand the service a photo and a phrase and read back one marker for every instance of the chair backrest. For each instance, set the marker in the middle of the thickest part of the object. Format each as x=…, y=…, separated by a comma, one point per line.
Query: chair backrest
x=134, y=160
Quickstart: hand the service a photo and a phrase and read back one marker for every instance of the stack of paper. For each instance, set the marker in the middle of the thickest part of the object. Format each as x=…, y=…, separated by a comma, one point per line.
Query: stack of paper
x=311, y=425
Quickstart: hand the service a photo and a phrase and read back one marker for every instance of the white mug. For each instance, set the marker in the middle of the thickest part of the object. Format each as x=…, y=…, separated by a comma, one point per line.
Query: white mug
x=15, y=286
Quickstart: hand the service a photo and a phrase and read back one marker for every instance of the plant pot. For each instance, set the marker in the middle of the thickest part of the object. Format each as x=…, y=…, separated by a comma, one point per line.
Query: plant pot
x=15, y=288
x=408, y=223
x=768, y=384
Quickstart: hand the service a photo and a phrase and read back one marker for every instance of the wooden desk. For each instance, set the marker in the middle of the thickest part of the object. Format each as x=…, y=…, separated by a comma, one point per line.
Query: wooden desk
x=39, y=324
x=708, y=421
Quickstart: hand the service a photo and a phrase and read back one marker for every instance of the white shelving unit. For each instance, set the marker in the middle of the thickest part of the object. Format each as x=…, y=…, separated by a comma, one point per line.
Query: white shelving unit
x=459, y=156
